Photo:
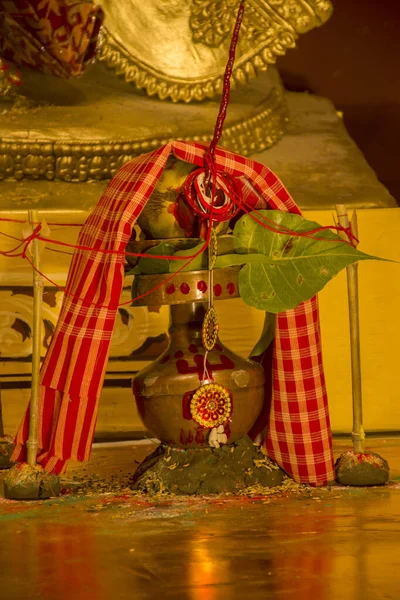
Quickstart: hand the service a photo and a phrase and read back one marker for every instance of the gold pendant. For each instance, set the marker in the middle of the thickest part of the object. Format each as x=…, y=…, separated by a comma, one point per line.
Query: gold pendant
x=209, y=332
x=212, y=249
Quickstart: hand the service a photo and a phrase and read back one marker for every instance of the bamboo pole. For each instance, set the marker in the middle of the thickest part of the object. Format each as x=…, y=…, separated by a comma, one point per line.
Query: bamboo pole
x=32, y=443
x=358, y=435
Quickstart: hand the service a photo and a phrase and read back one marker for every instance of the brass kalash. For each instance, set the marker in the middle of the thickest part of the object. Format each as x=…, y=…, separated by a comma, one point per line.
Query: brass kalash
x=198, y=398
x=158, y=77
x=197, y=393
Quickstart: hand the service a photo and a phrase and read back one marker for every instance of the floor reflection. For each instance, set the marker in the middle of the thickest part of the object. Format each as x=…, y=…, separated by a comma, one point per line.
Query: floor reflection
x=338, y=544
x=49, y=561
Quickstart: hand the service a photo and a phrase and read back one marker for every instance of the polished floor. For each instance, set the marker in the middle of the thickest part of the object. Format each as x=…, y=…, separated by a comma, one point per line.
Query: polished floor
x=100, y=542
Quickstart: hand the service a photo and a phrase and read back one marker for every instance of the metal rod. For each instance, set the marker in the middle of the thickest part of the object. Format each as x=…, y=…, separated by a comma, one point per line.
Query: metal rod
x=358, y=435
x=1, y=417
x=32, y=443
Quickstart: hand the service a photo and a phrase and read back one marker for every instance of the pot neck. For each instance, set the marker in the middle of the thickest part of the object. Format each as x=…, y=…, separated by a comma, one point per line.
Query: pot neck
x=187, y=315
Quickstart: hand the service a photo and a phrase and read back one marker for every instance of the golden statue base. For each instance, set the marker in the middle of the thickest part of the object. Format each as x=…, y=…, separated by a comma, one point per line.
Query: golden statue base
x=84, y=130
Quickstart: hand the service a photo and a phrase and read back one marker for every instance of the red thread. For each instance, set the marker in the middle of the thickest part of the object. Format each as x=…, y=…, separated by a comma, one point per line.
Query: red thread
x=34, y=223
x=222, y=213
x=89, y=249
x=226, y=88
x=144, y=295
x=35, y=234
x=244, y=206
x=209, y=160
x=352, y=240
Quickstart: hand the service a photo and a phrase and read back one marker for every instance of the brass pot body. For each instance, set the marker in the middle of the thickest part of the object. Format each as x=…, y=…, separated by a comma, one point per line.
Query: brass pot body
x=164, y=389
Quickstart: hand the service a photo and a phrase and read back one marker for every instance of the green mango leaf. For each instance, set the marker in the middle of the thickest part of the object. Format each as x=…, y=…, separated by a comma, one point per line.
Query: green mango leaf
x=134, y=271
x=226, y=244
x=197, y=264
x=267, y=335
x=291, y=269
x=153, y=266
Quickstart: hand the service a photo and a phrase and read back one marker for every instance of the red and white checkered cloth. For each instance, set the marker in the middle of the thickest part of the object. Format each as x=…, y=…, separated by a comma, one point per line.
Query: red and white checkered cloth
x=298, y=436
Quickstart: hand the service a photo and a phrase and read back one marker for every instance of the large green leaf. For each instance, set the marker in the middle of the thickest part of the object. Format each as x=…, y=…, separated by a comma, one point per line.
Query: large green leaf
x=233, y=260
x=291, y=269
x=225, y=244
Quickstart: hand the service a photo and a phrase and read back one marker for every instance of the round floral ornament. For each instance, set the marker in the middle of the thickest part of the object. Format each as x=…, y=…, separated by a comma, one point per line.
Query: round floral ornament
x=211, y=405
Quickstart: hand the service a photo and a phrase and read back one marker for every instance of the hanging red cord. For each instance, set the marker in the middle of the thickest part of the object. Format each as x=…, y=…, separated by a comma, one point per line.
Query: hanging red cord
x=209, y=159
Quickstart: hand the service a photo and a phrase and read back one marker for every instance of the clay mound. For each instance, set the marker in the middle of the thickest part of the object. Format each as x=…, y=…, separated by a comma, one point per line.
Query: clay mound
x=227, y=469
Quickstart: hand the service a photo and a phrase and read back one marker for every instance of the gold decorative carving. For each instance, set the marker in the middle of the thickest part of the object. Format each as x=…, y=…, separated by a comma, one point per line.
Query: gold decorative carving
x=135, y=71
x=77, y=161
x=303, y=15
x=132, y=328
x=269, y=29
x=212, y=22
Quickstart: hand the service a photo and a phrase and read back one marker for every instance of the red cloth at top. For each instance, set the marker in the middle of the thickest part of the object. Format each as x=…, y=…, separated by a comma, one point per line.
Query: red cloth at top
x=298, y=436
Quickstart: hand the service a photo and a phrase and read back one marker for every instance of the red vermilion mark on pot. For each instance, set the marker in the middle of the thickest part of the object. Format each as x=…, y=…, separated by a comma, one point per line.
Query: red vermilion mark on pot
x=202, y=286
x=231, y=288
x=185, y=289
x=170, y=289
x=200, y=431
x=217, y=289
x=227, y=429
x=186, y=438
x=200, y=435
x=178, y=354
x=182, y=437
x=183, y=368
x=186, y=398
